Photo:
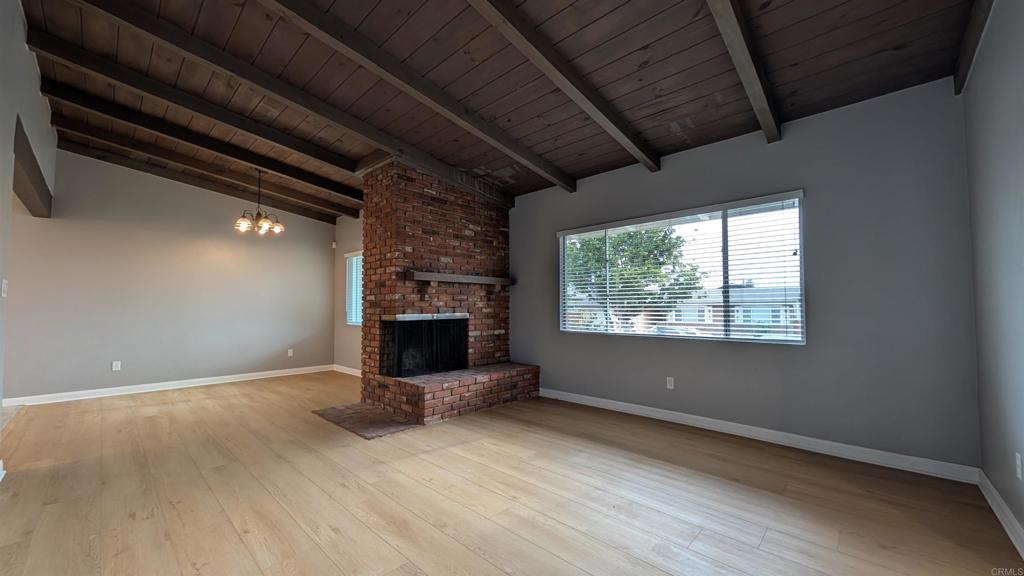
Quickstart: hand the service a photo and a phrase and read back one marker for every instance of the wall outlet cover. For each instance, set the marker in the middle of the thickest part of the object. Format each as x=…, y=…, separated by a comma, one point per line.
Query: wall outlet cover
x=291, y=352
x=115, y=366
x=670, y=383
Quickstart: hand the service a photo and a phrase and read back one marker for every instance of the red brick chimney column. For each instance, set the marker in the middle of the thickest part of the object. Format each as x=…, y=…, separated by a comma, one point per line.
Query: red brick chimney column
x=414, y=221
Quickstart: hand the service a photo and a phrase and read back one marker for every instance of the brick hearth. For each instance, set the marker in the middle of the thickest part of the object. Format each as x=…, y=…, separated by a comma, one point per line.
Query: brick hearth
x=415, y=222
x=434, y=397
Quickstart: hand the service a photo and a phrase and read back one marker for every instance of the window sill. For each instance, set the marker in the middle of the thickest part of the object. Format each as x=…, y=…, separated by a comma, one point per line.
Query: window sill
x=699, y=338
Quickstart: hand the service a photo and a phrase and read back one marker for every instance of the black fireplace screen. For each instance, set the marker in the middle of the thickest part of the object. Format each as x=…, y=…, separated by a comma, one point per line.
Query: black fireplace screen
x=414, y=347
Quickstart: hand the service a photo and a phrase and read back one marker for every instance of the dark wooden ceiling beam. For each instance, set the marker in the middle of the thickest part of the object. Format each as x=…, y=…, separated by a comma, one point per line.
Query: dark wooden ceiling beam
x=969, y=44
x=333, y=32
x=63, y=124
x=196, y=49
x=28, y=183
x=373, y=160
x=182, y=177
x=88, y=102
x=521, y=33
x=78, y=58
x=733, y=28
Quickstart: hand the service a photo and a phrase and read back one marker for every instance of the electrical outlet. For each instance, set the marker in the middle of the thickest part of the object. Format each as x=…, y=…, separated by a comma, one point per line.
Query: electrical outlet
x=291, y=352
x=115, y=366
x=3, y=288
x=1019, y=469
x=670, y=383
x=334, y=244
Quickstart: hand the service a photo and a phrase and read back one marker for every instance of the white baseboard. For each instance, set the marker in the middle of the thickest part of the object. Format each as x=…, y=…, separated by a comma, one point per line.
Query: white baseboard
x=1006, y=517
x=157, y=386
x=948, y=470
x=347, y=370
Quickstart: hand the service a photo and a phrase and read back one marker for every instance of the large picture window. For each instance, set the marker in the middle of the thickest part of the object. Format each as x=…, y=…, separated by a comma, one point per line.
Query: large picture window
x=727, y=272
x=354, y=289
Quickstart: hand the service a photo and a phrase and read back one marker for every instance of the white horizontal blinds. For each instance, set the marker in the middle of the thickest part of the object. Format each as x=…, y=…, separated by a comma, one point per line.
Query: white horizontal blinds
x=585, y=282
x=679, y=277
x=354, y=290
x=764, y=293
x=636, y=279
x=694, y=313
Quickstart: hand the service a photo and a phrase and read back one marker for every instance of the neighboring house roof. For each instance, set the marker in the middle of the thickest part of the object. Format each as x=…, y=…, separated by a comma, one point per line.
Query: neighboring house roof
x=744, y=295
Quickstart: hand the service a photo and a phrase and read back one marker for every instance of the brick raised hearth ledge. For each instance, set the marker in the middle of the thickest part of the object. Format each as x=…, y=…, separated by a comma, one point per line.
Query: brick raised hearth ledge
x=431, y=398
x=413, y=222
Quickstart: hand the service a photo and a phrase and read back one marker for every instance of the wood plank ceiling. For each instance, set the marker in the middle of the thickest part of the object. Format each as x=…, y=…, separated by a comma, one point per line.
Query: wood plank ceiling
x=504, y=97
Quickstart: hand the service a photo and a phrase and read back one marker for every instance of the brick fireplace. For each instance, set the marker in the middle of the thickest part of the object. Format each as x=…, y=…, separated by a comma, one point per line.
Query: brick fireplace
x=436, y=253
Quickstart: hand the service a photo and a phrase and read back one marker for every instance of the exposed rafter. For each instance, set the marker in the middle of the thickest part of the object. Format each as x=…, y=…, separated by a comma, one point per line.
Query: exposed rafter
x=78, y=58
x=521, y=33
x=374, y=160
x=333, y=32
x=28, y=183
x=733, y=28
x=969, y=44
x=85, y=101
x=63, y=124
x=139, y=165
x=195, y=48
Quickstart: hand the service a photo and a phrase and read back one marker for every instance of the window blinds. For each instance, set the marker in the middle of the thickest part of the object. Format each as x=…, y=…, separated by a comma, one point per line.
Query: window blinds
x=732, y=271
x=354, y=289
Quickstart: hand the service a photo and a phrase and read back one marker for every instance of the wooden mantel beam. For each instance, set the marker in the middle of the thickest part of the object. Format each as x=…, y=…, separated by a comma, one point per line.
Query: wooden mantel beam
x=85, y=101
x=521, y=33
x=733, y=28
x=194, y=48
x=333, y=32
x=78, y=58
x=64, y=125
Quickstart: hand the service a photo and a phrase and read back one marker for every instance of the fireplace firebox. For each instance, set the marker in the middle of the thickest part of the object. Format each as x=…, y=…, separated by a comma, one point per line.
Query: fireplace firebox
x=411, y=347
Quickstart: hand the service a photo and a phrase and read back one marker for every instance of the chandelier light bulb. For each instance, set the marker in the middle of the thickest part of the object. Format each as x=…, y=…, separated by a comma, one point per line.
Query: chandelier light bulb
x=244, y=223
x=264, y=224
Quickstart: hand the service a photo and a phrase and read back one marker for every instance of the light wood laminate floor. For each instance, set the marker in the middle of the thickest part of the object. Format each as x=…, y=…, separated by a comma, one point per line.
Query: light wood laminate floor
x=243, y=479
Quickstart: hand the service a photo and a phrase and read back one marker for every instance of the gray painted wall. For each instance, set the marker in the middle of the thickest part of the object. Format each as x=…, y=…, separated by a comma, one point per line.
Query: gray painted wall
x=994, y=108
x=19, y=96
x=890, y=356
x=148, y=271
x=348, y=340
